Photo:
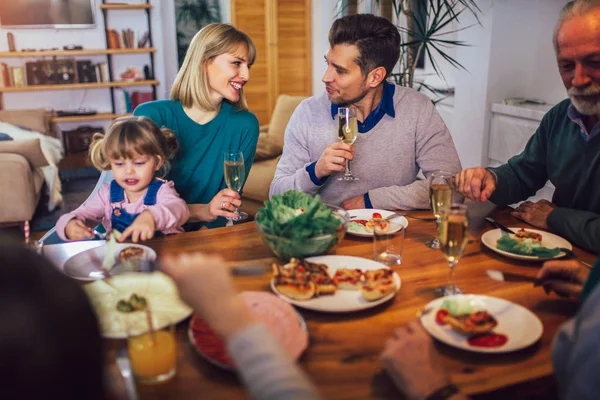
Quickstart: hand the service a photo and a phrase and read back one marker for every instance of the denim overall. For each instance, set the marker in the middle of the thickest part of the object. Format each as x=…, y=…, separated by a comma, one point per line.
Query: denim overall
x=121, y=219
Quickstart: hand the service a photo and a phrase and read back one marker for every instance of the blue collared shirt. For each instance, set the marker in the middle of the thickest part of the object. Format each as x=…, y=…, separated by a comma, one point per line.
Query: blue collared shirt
x=386, y=106
x=579, y=119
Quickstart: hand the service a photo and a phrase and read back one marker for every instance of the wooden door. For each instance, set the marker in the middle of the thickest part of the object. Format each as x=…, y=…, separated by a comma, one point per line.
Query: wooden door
x=281, y=33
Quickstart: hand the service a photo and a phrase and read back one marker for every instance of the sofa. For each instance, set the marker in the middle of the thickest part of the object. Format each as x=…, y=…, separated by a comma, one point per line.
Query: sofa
x=20, y=161
x=268, y=153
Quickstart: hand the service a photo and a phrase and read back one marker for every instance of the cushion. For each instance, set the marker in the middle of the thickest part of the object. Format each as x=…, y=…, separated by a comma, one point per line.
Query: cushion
x=35, y=120
x=30, y=149
x=284, y=108
x=267, y=147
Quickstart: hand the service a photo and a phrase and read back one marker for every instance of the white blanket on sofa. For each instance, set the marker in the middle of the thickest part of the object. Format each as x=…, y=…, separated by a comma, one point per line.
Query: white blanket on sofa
x=53, y=151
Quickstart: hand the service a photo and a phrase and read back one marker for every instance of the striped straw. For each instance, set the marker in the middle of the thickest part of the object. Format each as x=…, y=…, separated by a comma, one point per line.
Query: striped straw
x=26, y=229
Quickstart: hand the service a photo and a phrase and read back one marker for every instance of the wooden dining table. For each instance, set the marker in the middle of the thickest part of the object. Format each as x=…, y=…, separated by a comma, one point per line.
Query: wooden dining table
x=342, y=357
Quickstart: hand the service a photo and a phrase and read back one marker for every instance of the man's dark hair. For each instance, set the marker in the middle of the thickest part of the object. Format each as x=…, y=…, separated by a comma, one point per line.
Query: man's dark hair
x=50, y=343
x=377, y=39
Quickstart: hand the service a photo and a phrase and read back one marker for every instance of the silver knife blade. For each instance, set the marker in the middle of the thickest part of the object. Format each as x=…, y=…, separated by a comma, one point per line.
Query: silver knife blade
x=499, y=225
x=148, y=266
x=509, y=276
x=124, y=364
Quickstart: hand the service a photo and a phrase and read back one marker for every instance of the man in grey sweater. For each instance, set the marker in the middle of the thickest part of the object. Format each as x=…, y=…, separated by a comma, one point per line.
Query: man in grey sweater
x=400, y=132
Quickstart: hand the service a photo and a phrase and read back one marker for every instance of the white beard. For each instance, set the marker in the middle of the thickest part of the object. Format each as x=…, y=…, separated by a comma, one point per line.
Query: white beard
x=591, y=107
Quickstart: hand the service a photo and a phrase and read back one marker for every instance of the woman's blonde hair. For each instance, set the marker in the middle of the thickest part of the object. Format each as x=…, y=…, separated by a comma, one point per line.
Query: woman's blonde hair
x=191, y=84
x=131, y=136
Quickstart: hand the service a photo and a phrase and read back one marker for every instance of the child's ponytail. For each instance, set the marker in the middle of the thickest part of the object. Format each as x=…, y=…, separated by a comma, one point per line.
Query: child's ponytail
x=97, y=152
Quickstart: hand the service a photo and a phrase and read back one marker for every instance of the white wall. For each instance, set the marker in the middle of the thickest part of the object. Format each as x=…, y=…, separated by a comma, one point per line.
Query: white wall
x=163, y=22
x=511, y=55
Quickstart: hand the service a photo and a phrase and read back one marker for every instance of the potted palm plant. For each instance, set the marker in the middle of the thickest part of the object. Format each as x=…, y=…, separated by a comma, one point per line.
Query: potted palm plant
x=427, y=30
x=191, y=16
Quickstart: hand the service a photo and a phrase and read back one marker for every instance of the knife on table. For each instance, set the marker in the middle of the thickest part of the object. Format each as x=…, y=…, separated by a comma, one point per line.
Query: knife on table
x=149, y=266
x=499, y=225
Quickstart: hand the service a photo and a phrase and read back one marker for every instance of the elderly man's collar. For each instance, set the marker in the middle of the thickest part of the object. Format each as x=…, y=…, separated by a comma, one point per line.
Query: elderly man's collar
x=580, y=120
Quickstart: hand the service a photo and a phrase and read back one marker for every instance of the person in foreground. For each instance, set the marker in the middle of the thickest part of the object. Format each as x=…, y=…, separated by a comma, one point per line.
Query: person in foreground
x=50, y=343
x=208, y=113
x=267, y=371
x=415, y=366
x=565, y=149
x=135, y=203
x=400, y=131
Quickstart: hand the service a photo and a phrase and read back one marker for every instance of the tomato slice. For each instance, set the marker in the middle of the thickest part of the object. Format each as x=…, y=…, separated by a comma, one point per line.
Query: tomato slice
x=376, y=215
x=440, y=316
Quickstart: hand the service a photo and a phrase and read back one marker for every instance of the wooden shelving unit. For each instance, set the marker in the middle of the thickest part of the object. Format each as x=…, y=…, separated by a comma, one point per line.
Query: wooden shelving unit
x=125, y=6
x=82, y=118
x=111, y=78
x=74, y=53
x=67, y=86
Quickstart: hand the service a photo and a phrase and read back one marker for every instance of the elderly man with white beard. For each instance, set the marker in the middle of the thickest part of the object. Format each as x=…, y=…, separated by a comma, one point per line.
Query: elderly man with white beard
x=565, y=149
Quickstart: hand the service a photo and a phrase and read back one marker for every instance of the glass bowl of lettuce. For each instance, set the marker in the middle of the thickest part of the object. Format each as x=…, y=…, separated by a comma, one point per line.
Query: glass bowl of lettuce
x=295, y=224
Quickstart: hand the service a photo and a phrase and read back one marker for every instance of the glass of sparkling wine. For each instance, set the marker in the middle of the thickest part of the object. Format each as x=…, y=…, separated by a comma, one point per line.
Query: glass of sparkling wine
x=235, y=175
x=440, y=196
x=347, y=132
x=453, y=234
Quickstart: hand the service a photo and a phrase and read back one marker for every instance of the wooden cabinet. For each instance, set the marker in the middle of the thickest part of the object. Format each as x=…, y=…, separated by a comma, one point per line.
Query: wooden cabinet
x=281, y=31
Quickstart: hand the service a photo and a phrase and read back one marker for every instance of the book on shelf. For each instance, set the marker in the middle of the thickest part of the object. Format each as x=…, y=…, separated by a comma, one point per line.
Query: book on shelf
x=126, y=107
x=144, y=40
x=138, y=98
x=124, y=39
x=18, y=76
x=114, y=39
x=102, y=72
x=4, y=75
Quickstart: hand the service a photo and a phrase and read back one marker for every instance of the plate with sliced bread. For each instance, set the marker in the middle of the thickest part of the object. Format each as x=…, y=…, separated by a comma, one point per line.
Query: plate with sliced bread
x=334, y=283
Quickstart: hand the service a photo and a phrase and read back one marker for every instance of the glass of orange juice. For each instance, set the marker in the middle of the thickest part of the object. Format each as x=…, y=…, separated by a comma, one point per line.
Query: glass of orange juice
x=153, y=353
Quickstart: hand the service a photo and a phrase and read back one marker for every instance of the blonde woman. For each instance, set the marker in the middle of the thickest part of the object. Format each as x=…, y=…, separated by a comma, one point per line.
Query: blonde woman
x=208, y=113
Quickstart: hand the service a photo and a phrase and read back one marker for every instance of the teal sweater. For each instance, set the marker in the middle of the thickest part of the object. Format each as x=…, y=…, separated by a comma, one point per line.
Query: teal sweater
x=197, y=168
x=559, y=153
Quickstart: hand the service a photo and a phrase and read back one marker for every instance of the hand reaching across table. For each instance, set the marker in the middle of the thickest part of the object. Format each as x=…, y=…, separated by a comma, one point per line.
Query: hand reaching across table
x=535, y=214
x=476, y=183
x=414, y=364
x=204, y=283
x=564, y=277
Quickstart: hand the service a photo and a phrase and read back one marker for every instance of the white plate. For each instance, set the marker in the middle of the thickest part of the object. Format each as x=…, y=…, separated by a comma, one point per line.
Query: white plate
x=549, y=240
x=342, y=300
x=269, y=304
x=158, y=289
x=87, y=265
x=367, y=213
x=522, y=327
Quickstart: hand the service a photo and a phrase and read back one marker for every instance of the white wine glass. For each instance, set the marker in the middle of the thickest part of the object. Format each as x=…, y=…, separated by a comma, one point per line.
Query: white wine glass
x=453, y=233
x=235, y=175
x=440, y=197
x=347, y=133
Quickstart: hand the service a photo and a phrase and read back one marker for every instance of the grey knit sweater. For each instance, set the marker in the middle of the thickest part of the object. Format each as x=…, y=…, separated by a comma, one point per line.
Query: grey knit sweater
x=387, y=158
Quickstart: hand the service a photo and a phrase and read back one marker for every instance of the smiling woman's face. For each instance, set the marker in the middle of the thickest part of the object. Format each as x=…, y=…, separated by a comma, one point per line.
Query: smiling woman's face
x=227, y=74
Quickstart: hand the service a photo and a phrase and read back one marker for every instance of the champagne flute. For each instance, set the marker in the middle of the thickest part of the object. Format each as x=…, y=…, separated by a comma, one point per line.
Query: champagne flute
x=235, y=174
x=347, y=132
x=453, y=234
x=440, y=196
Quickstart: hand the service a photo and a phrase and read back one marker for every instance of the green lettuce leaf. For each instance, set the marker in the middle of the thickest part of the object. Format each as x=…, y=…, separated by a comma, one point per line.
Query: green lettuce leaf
x=526, y=248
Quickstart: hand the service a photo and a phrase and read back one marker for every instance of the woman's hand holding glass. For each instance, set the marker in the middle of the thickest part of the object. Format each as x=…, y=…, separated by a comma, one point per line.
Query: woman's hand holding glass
x=224, y=204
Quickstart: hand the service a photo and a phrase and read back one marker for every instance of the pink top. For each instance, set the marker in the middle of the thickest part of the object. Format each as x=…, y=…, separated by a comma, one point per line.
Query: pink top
x=169, y=212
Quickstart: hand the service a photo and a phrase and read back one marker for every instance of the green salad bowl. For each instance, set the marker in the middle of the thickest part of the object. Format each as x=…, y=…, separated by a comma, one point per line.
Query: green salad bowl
x=287, y=247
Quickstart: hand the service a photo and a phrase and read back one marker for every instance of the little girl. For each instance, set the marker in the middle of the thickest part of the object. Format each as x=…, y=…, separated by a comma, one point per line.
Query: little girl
x=136, y=202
